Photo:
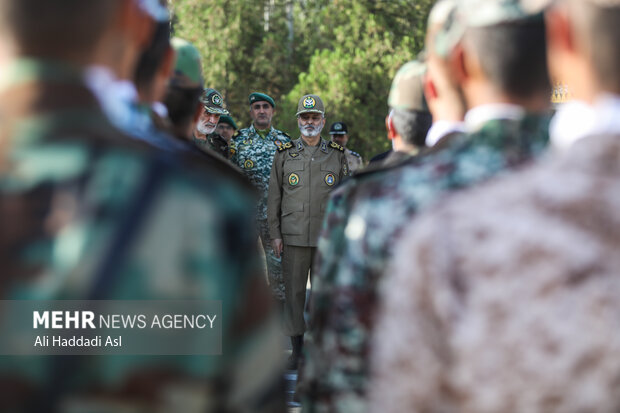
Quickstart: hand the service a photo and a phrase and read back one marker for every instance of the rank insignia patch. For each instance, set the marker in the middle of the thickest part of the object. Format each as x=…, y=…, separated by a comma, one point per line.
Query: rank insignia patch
x=293, y=179
x=248, y=164
x=330, y=179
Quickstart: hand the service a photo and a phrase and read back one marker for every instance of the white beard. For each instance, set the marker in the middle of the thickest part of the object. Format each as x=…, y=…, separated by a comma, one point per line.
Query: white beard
x=205, y=129
x=310, y=131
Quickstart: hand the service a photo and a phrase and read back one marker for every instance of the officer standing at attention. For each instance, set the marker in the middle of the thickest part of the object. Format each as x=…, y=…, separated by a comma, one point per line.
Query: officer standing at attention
x=340, y=135
x=252, y=150
x=303, y=174
x=205, y=135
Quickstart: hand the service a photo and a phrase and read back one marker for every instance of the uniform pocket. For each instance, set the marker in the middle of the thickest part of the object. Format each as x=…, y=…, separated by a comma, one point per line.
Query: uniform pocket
x=292, y=219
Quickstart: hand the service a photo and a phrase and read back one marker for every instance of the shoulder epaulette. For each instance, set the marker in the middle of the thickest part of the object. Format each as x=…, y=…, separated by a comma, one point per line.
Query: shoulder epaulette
x=285, y=146
x=287, y=135
x=336, y=146
x=356, y=154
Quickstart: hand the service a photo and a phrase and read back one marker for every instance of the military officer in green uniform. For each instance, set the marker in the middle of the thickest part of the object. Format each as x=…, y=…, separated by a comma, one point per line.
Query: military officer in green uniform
x=303, y=174
x=252, y=149
x=205, y=135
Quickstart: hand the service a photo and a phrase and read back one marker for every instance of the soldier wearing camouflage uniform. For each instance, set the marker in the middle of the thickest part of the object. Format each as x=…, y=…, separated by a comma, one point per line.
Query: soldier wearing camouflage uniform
x=340, y=134
x=205, y=136
x=252, y=149
x=304, y=173
x=366, y=215
x=87, y=213
x=504, y=299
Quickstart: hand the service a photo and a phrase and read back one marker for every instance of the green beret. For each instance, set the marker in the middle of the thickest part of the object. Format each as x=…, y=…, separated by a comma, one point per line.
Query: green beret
x=229, y=120
x=261, y=97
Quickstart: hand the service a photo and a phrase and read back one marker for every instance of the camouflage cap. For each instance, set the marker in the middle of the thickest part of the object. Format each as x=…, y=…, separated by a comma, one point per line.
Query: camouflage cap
x=156, y=9
x=187, y=69
x=229, y=121
x=407, y=92
x=310, y=104
x=261, y=97
x=213, y=102
x=478, y=13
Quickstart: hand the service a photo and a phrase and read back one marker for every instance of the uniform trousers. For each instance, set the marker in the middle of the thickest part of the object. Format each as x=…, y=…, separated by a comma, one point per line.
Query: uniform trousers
x=296, y=262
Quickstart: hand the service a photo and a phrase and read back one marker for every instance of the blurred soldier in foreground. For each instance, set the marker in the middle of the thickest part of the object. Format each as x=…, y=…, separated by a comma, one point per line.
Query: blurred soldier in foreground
x=87, y=213
x=365, y=217
x=340, y=134
x=153, y=72
x=504, y=299
x=205, y=135
x=252, y=150
x=445, y=99
x=304, y=172
x=409, y=119
x=111, y=74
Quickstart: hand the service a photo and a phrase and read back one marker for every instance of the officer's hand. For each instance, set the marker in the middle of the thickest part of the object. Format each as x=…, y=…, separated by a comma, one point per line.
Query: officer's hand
x=277, y=246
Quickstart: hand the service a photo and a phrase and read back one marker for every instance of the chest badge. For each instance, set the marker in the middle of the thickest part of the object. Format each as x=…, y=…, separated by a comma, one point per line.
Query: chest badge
x=293, y=179
x=294, y=154
x=330, y=179
x=249, y=164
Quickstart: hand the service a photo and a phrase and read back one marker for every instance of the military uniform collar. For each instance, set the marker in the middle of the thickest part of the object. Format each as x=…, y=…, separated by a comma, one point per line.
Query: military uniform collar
x=301, y=144
x=442, y=128
x=576, y=120
x=323, y=145
x=254, y=131
x=476, y=117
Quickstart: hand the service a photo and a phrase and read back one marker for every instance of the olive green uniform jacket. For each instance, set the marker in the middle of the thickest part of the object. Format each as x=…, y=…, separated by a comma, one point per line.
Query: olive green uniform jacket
x=301, y=178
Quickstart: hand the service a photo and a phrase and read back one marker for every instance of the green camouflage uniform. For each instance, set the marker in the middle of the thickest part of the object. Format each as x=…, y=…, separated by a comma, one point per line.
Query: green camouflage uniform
x=69, y=182
x=364, y=218
x=254, y=155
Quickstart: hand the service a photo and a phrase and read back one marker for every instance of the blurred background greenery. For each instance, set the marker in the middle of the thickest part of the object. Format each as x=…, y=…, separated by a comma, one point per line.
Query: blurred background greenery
x=346, y=51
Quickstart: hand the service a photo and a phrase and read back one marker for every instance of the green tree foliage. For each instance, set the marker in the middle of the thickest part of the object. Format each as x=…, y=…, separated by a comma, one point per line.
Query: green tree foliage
x=346, y=51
